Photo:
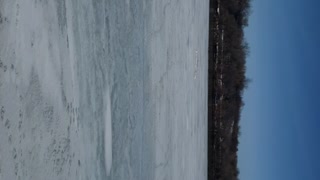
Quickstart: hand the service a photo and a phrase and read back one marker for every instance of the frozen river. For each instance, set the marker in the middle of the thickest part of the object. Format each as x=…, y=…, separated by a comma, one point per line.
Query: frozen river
x=103, y=89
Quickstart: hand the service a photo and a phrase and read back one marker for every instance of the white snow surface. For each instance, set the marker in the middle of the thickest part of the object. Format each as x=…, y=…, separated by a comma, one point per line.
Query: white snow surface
x=103, y=89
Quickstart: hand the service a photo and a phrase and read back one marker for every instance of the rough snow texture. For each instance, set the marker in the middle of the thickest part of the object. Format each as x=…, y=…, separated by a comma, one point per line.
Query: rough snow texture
x=103, y=89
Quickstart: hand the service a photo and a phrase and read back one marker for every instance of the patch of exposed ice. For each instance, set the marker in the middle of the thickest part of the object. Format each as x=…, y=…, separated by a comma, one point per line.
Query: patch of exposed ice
x=108, y=134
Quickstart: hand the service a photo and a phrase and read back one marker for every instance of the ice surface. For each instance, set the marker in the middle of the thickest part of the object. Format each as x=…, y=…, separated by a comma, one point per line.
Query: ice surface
x=103, y=89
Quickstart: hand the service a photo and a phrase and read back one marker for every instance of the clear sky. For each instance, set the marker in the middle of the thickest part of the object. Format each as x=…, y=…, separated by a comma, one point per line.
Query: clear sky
x=280, y=124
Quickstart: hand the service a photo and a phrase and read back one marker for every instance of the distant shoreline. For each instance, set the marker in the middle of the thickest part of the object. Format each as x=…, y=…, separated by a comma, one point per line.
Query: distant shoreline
x=226, y=82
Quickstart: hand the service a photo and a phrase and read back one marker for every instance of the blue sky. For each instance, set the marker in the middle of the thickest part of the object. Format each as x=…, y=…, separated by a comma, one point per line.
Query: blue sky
x=280, y=122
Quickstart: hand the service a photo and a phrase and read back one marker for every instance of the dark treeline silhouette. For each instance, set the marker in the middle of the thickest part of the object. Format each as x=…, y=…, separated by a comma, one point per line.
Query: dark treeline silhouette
x=227, y=56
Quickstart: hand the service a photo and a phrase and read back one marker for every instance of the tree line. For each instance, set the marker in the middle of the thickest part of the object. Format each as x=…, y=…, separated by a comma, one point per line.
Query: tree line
x=226, y=82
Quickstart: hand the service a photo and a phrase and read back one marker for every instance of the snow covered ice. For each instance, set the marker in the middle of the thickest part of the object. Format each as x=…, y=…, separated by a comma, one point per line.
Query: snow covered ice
x=103, y=89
